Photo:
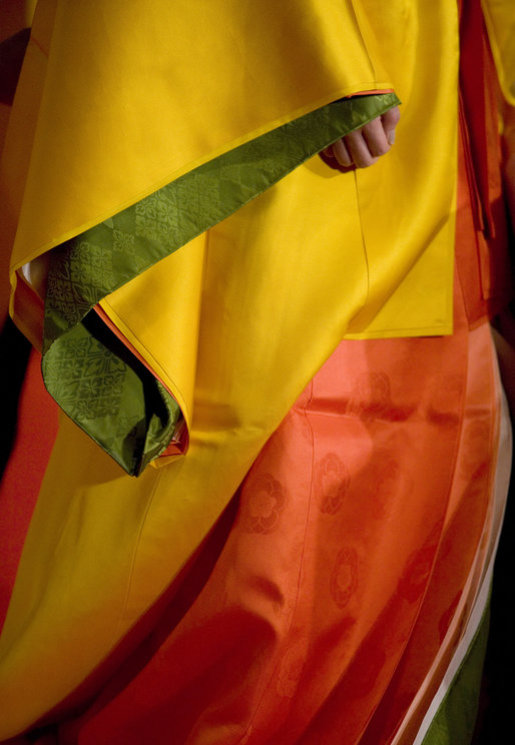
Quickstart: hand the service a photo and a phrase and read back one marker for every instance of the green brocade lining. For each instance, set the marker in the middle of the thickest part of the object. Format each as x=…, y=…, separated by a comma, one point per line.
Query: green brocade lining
x=88, y=371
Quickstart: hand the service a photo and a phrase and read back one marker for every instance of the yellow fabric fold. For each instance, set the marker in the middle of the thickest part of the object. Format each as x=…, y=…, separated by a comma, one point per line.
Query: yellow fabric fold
x=500, y=22
x=163, y=90
x=130, y=99
x=169, y=297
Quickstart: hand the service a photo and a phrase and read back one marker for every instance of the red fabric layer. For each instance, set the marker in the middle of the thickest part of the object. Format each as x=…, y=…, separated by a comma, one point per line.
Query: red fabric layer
x=37, y=429
x=481, y=219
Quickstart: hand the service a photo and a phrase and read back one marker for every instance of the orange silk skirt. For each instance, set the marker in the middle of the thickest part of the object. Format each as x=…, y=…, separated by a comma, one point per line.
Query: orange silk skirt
x=314, y=611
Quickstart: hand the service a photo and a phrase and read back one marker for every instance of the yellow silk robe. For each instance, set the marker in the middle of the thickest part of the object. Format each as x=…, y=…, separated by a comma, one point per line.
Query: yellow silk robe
x=111, y=106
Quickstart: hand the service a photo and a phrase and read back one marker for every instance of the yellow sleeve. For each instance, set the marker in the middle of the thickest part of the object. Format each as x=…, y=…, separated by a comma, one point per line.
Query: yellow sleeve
x=129, y=101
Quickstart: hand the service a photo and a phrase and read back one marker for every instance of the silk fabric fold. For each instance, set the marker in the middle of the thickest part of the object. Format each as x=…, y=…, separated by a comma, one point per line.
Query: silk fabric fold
x=108, y=111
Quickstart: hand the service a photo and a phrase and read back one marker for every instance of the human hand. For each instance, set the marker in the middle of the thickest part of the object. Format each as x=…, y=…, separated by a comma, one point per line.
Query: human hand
x=364, y=146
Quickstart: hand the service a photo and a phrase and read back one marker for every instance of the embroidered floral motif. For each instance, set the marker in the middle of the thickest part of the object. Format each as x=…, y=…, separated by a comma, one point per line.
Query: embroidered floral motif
x=265, y=501
x=344, y=577
x=333, y=482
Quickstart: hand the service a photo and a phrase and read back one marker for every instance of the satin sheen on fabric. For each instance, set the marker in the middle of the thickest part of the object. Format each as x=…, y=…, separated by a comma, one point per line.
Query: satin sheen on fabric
x=103, y=548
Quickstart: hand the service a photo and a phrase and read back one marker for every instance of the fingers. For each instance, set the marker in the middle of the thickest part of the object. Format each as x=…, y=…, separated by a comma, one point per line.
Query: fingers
x=363, y=147
x=390, y=121
x=329, y=158
x=341, y=154
x=351, y=151
x=367, y=144
x=375, y=138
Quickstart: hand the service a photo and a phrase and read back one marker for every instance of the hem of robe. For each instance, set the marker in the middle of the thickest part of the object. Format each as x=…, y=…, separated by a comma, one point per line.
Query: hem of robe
x=444, y=714
x=471, y=613
x=69, y=702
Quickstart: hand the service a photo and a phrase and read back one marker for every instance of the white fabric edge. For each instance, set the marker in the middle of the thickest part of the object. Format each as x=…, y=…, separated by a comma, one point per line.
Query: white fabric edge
x=501, y=484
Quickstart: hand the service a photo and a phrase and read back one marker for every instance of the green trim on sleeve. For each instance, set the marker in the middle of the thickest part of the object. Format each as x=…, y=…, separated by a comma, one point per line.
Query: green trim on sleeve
x=108, y=393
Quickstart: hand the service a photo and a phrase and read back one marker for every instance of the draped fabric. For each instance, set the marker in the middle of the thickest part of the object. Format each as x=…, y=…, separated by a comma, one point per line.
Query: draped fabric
x=145, y=609
x=350, y=552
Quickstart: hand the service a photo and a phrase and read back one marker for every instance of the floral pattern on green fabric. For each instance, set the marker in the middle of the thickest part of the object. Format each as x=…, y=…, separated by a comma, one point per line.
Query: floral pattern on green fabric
x=88, y=267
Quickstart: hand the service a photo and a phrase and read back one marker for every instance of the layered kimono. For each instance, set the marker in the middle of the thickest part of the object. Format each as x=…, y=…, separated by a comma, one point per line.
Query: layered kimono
x=249, y=530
